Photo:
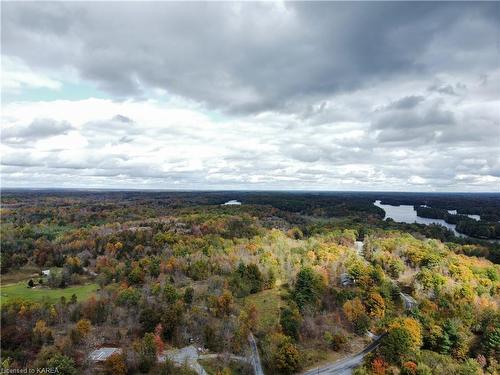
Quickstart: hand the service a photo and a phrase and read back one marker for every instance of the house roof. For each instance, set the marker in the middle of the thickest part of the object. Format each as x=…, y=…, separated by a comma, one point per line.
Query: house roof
x=102, y=354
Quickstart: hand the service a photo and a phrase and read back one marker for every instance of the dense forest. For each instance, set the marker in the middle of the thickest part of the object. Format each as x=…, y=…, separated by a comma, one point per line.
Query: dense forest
x=481, y=228
x=312, y=278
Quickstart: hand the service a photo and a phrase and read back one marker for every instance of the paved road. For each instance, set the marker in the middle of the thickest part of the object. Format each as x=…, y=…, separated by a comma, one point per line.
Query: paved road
x=346, y=365
x=188, y=355
x=255, y=359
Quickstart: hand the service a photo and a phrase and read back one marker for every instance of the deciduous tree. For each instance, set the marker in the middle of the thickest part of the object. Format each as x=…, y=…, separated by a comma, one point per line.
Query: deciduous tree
x=115, y=365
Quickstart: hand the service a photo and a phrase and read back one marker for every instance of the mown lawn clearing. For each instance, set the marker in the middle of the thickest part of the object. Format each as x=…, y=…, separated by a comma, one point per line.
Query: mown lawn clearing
x=268, y=304
x=41, y=294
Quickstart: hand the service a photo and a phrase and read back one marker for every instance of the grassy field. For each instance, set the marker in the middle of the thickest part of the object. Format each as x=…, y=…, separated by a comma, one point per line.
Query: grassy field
x=267, y=303
x=21, y=291
x=215, y=366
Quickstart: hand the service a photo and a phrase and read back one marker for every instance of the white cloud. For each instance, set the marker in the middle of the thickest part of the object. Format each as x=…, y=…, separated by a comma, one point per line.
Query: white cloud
x=176, y=144
x=305, y=100
x=17, y=76
x=417, y=180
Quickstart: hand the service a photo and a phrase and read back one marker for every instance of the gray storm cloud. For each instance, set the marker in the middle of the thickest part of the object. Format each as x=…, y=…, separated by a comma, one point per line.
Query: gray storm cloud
x=251, y=56
x=39, y=128
x=241, y=95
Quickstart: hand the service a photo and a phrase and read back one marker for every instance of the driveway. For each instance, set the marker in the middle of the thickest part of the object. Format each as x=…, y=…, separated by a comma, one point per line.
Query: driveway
x=188, y=355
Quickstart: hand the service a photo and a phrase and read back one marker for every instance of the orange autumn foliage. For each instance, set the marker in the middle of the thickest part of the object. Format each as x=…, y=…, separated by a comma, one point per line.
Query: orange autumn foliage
x=379, y=366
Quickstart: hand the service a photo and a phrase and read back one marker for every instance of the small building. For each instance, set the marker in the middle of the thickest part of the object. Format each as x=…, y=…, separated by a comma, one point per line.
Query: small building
x=91, y=273
x=101, y=354
x=408, y=301
x=46, y=272
x=346, y=280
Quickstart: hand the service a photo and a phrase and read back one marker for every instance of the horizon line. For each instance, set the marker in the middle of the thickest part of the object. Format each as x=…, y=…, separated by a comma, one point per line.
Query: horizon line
x=188, y=190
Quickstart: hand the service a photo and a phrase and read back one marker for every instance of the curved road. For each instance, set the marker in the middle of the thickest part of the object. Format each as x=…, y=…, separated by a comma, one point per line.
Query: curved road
x=342, y=367
x=346, y=365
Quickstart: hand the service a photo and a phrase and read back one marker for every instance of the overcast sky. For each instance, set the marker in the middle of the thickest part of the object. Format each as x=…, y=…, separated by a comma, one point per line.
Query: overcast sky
x=327, y=96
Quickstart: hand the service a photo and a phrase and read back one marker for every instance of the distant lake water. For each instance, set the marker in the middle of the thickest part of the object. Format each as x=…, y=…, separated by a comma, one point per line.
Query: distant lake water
x=407, y=214
x=232, y=202
x=475, y=217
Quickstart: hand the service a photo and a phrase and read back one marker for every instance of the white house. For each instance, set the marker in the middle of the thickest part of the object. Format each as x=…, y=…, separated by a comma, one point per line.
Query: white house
x=346, y=279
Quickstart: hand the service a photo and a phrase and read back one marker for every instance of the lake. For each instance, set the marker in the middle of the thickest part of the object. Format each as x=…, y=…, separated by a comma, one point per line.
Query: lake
x=407, y=214
x=232, y=202
x=475, y=217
